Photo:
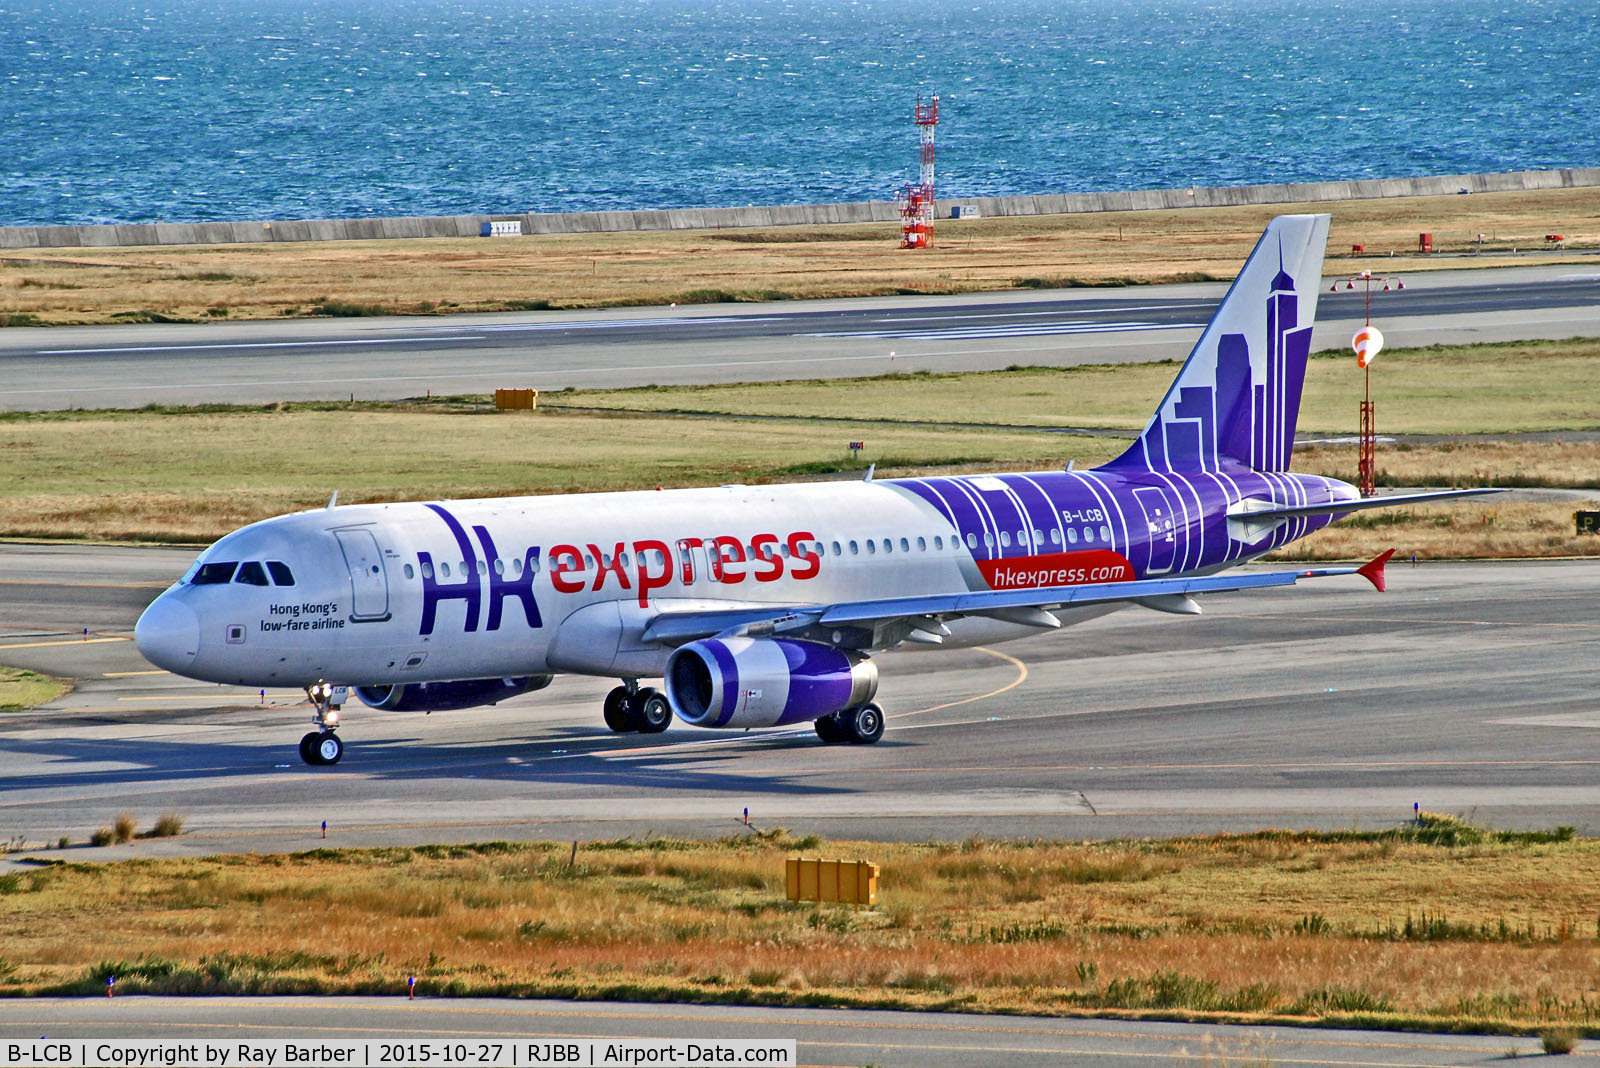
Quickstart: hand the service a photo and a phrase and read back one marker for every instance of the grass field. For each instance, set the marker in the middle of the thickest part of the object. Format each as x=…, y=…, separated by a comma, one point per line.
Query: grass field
x=191, y=475
x=21, y=690
x=43, y=286
x=1433, y=925
x=1441, y=389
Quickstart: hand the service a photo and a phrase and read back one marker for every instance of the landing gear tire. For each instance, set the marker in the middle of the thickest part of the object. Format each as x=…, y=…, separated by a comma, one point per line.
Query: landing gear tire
x=617, y=711
x=829, y=730
x=328, y=748
x=654, y=713
x=863, y=724
x=308, y=747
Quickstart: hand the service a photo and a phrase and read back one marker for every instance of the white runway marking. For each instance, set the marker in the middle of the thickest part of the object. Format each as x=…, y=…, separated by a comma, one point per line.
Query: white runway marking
x=612, y=324
x=960, y=333
x=457, y=376
x=254, y=345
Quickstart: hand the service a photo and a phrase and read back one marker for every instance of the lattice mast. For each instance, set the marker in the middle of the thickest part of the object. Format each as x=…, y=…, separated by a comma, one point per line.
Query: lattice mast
x=916, y=201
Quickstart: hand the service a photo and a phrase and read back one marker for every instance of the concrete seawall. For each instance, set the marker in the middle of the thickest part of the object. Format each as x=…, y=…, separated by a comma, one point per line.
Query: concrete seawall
x=224, y=233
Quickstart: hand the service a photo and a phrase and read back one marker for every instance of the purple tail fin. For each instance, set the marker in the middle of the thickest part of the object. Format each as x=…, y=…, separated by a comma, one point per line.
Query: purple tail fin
x=1236, y=399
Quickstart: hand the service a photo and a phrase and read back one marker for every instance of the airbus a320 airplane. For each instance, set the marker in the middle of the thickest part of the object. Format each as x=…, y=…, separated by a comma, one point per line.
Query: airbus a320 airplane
x=760, y=606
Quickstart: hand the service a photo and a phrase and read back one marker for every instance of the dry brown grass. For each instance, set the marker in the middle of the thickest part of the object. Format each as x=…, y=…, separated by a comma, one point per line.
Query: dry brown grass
x=420, y=277
x=1396, y=928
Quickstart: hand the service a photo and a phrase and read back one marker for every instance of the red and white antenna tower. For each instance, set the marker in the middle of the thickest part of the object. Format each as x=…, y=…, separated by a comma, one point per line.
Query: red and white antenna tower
x=916, y=201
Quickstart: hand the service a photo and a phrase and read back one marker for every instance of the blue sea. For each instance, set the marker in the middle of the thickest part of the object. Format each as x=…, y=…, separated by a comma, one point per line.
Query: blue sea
x=181, y=110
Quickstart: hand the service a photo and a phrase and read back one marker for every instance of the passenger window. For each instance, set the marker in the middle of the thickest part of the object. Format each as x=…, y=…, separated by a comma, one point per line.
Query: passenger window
x=427, y=571
x=938, y=543
x=1105, y=533
x=516, y=567
x=905, y=546
x=988, y=540
x=854, y=548
x=1005, y=539
x=837, y=551
x=251, y=573
x=1038, y=537
x=483, y=568
x=888, y=545
x=1072, y=535
x=922, y=545
x=499, y=566
x=444, y=569
x=533, y=563
x=783, y=550
x=872, y=546
x=972, y=541
x=409, y=572
x=215, y=574
x=1055, y=535
x=280, y=573
x=1088, y=534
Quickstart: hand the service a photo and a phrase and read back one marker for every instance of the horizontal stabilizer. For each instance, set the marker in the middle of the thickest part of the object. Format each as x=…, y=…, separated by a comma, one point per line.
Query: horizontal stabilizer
x=1291, y=511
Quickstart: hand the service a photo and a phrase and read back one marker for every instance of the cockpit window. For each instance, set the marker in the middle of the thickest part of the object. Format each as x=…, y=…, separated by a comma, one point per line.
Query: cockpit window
x=280, y=573
x=214, y=573
x=251, y=573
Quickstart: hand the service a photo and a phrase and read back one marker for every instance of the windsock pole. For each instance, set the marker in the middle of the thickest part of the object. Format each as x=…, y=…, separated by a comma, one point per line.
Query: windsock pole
x=1366, y=343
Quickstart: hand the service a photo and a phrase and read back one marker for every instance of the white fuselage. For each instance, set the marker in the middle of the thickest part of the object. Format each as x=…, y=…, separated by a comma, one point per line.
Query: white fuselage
x=412, y=592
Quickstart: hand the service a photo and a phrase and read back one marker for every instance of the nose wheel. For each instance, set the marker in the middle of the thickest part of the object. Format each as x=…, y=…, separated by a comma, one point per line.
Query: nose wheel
x=323, y=747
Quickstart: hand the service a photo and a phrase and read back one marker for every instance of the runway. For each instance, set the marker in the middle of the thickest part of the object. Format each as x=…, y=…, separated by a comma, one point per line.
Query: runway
x=388, y=358
x=1467, y=688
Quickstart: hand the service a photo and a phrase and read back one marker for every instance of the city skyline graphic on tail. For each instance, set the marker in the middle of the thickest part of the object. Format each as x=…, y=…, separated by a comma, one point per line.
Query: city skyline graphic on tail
x=1237, y=398
x=762, y=606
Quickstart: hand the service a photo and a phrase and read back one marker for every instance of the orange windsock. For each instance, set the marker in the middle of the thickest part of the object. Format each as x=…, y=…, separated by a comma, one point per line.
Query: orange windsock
x=1367, y=342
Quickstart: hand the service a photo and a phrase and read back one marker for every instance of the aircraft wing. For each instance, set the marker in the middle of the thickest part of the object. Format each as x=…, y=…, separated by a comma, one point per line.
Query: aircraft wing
x=1031, y=606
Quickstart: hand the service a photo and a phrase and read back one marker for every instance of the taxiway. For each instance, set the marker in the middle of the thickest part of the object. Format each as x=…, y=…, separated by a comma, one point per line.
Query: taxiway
x=1467, y=688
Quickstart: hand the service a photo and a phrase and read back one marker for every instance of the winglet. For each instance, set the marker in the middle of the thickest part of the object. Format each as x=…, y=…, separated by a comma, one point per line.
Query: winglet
x=1372, y=570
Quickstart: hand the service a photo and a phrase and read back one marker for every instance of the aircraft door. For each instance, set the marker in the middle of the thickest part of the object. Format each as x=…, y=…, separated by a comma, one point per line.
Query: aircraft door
x=369, y=583
x=692, y=561
x=1160, y=524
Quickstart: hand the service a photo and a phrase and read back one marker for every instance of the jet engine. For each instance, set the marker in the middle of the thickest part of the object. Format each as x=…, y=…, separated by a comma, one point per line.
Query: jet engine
x=448, y=696
x=765, y=682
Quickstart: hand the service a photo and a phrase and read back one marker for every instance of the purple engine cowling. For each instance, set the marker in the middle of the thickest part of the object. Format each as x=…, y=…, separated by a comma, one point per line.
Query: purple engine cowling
x=447, y=696
x=764, y=682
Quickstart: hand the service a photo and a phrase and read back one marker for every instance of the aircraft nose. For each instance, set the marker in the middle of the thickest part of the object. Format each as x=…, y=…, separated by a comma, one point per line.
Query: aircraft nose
x=168, y=634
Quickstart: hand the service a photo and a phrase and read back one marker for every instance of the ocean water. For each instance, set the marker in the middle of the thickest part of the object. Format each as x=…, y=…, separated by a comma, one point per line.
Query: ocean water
x=119, y=111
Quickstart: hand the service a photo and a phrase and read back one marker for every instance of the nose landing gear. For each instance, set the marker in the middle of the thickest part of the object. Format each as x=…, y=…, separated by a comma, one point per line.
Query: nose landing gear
x=322, y=746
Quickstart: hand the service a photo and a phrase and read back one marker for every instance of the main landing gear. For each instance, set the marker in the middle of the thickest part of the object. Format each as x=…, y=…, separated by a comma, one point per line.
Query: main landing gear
x=630, y=708
x=322, y=746
x=861, y=725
